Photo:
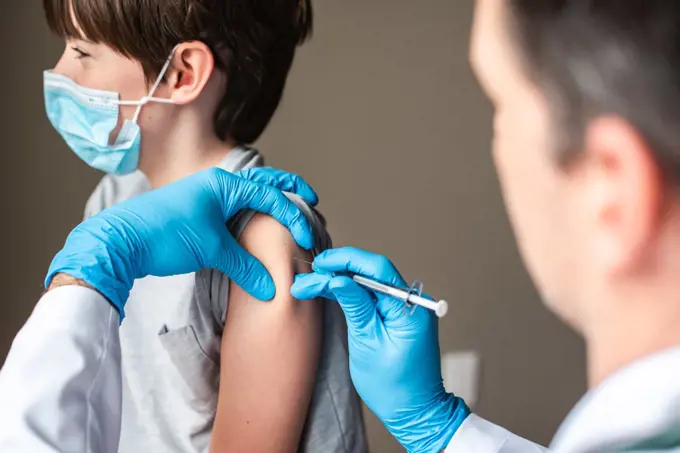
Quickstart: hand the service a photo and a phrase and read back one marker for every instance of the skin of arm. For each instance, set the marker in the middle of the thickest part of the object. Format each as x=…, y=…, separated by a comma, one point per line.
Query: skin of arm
x=60, y=280
x=270, y=352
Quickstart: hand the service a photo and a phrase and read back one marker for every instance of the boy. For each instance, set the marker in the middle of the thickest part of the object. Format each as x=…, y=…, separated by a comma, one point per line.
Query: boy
x=171, y=87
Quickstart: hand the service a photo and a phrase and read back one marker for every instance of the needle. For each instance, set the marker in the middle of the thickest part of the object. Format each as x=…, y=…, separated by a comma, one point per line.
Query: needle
x=440, y=308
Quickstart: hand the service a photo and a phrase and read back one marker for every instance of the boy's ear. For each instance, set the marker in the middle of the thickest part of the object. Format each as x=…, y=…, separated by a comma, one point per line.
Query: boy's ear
x=192, y=66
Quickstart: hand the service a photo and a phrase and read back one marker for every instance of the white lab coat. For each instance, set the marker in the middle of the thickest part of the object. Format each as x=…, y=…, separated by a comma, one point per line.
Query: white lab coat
x=60, y=391
x=636, y=409
x=60, y=387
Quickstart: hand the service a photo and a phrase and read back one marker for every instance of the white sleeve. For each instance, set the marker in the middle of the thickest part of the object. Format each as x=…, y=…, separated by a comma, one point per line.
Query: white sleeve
x=60, y=387
x=480, y=436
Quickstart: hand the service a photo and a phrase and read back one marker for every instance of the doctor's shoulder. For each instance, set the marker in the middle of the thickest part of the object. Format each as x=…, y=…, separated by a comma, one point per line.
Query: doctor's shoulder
x=114, y=189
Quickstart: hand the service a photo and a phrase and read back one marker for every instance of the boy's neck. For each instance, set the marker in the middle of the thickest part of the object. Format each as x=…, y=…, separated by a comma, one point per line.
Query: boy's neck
x=180, y=157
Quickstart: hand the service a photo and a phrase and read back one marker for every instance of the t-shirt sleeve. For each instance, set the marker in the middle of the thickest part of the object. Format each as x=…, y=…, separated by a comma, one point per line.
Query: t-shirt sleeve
x=321, y=239
x=218, y=283
x=112, y=190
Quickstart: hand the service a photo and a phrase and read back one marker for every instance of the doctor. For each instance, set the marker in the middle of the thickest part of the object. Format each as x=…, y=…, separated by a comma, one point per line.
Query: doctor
x=587, y=147
x=60, y=387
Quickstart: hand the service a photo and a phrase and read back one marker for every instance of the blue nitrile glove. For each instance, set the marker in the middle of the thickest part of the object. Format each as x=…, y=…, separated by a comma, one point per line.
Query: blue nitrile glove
x=394, y=356
x=180, y=228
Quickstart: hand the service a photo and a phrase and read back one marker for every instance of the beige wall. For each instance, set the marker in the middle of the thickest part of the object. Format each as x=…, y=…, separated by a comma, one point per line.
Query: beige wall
x=383, y=116
x=44, y=186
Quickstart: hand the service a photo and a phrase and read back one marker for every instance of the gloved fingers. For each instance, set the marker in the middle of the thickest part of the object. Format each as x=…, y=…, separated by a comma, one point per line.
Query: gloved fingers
x=267, y=200
x=281, y=180
x=311, y=286
x=314, y=285
x=391, y=308
x=244, y=269
x=357, y=303
x=357, y=261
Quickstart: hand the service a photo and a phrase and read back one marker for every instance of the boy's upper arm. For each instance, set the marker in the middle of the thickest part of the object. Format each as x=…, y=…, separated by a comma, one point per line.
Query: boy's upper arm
x=269, y=354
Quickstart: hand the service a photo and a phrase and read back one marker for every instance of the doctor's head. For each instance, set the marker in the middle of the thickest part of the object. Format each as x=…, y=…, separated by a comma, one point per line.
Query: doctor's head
x=226, y=75
x=587, y=147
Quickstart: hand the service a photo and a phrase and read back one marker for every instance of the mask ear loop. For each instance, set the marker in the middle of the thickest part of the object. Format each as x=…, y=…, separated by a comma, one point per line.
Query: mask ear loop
x=148, y=98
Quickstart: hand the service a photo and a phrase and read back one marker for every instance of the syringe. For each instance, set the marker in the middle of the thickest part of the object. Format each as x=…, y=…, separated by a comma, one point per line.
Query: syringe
x=440, y=308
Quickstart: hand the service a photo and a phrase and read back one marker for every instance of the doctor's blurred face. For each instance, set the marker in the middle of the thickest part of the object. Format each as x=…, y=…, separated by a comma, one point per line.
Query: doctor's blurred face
x=554, y=206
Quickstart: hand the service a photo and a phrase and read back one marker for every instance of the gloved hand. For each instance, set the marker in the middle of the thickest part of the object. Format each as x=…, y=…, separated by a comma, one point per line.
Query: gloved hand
x=394, y=356
x=180, y=228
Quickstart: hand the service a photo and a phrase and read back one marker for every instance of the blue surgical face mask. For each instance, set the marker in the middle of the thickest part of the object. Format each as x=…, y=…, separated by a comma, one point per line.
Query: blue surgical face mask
x=86, y=117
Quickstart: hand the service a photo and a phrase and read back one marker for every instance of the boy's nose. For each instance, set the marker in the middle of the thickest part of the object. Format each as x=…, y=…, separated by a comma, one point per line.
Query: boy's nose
x=65, y=66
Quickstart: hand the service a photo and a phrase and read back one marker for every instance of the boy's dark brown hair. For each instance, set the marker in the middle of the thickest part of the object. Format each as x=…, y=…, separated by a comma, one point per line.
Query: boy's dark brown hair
x=252, y=41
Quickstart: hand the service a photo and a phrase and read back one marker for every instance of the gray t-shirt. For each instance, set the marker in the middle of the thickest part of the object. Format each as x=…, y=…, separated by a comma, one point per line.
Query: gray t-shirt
x=170, y=343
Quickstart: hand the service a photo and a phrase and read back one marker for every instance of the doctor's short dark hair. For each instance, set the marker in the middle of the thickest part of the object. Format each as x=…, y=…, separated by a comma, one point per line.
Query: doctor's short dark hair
x=595, y=57
x=252, y=41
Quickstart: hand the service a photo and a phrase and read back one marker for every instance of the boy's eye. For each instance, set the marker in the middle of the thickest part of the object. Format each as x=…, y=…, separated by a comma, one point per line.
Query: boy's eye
x=80, y=53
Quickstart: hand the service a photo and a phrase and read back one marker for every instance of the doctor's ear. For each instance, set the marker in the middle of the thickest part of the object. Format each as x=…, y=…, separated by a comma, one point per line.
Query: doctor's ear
x=626, y=193
x=191, y=69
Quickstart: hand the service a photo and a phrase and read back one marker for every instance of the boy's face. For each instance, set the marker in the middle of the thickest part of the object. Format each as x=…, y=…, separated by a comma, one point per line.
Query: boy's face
x=99, y=67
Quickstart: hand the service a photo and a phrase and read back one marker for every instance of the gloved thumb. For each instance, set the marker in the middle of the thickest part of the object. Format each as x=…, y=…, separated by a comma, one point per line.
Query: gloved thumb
x=244, y=269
